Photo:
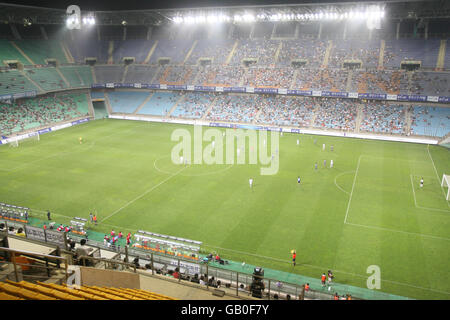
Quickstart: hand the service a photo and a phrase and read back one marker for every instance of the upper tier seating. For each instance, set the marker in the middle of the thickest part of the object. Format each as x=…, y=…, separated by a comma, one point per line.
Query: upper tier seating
x=311, y=50
x=261, y=50
x=77, y=76
x=109, y=74
x=9, y=52
x=215, y=49
x=13, y=81
x=41, y=50
x=46, y=78
x=400, y=50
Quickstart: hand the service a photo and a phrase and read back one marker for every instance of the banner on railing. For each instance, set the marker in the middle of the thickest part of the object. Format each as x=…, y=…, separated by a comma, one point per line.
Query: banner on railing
x=35, y=233
x=259, y=90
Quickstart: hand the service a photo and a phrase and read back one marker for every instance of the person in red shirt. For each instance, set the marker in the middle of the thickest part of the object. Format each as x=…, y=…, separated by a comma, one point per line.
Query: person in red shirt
x=294, y=256
x=323, y=279
x=120, y=234
x=336, y=296
x=307, y=287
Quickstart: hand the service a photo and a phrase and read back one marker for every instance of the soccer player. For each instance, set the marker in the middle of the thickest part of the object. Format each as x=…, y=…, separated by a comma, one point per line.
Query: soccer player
x=181, y=159
x=332, y=148
x=48, y=215
x=250, y=181
x=80, y=139
x=298, y=142
x=323, y=147
x=294, y=256
x=421, y=182
x=331, y=163
x=213, y=143
x=315, y=165
x=330, y=277
x=325, y=163
x=298, y=180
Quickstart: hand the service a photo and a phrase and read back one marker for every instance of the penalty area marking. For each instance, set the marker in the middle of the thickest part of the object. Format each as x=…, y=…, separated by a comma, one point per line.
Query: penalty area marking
x=415, y=199
x=437, y=175
x=335, y=182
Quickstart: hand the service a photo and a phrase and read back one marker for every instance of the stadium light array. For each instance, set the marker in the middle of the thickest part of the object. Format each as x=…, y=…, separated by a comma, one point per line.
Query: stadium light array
x=88, y=21
x=371, y=12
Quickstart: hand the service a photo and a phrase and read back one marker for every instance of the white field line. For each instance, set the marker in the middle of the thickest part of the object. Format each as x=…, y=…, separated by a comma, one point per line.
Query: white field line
x=143, y=194
x=437, y=175
x=353, y=187
x=415, y=201
x=335, y=182
x=326, y=268
x=398, y=231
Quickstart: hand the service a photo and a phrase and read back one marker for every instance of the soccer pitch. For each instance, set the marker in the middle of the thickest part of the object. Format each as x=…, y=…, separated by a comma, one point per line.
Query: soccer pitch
x=367, y=210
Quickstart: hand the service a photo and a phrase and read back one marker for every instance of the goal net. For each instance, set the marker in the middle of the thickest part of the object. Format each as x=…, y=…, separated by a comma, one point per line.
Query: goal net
x=446, y=184
x=15, y=143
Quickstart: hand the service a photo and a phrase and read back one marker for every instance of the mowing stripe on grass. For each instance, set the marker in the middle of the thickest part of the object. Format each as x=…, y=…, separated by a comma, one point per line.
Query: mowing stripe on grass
x=145, y=193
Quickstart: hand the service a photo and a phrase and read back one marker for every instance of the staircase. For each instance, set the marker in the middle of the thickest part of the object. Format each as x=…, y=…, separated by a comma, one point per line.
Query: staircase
x=66, y=52
x=294, y=79
x=327, y=54
x=94, y=77
x=359, y=117
x=232, y=52
x=181, y=98
x=349, y=81
x=108, y=104
x=124, y=74
x=150, y=53
x=110, y=52
x=31, y=80
x=64, y=78
x=407, y=119
x=381, y=58
x=441, y=56
x=21, y=52
x=90, y=105
x=209, y=109
x=156, y=74
x=277, y=53
x=143, y=103
x=190, y=51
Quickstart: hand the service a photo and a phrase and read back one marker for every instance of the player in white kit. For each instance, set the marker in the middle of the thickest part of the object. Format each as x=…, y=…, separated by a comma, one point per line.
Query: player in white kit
x=250, y=181
x=331, y=163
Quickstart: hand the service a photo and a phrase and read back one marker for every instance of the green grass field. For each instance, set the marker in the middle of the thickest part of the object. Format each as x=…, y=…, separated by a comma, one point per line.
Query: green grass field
x=367, y=210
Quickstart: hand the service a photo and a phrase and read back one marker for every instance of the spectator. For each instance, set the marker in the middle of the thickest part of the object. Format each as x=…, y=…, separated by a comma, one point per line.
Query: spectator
x=20, y=233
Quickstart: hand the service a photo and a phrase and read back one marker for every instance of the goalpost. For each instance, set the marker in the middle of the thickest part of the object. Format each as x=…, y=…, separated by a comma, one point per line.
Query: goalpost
x=446, y=184
x=15, y=143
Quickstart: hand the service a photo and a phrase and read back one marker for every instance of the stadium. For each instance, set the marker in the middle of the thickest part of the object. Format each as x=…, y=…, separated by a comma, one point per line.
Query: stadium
x=260, y=152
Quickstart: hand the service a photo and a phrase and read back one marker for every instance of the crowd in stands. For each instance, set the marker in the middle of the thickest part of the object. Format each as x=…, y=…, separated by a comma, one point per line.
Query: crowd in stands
x=29, y=113
x=261, y=50
x=237, y=108
x=379, y=117
x=429, y=121
x=220, y=75
x=338, y=114
x=287, y=111
x=311, y=50
x=269, y=77
x=193, y=105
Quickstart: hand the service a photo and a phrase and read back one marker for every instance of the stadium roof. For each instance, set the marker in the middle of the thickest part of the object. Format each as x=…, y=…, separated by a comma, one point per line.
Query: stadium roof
x=146, y=13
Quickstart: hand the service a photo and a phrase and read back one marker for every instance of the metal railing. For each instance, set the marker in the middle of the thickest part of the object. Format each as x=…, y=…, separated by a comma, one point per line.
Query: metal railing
x=36, y=261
